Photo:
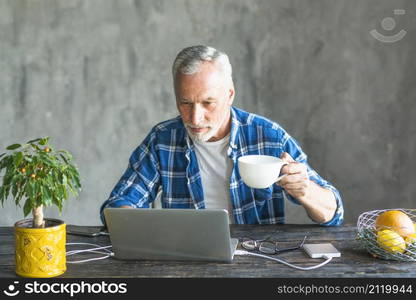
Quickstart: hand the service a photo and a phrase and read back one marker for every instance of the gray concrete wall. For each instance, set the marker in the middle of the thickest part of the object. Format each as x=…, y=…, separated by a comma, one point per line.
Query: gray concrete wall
x=95, y=76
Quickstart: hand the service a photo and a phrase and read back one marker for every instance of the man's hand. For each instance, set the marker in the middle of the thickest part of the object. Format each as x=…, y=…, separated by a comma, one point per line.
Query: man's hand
x=319, y=203
x=297, y=182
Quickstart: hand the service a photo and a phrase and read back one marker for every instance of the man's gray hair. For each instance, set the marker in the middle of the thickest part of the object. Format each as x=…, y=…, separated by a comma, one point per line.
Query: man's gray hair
x=189, y=60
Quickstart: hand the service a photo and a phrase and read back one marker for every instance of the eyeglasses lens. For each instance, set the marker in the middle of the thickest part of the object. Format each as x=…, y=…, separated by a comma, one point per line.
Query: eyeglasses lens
x=249, y=244
x=267, y=247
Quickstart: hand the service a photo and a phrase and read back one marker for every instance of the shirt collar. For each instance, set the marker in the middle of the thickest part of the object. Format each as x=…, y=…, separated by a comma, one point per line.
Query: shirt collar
x=235, y=124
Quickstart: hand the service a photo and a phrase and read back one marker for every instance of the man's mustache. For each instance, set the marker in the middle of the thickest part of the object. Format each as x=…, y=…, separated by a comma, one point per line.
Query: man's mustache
x=198, y=126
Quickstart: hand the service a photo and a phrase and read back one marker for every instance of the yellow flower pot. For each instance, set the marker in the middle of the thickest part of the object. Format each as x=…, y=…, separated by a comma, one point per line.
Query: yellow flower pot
x=40, y=252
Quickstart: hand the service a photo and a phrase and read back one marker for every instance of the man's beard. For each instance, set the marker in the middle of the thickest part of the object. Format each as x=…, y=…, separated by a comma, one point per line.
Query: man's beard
x=205, y=136
x=201, y=137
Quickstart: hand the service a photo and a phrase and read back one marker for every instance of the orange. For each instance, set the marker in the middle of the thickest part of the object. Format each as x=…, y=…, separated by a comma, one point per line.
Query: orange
x=395, y=220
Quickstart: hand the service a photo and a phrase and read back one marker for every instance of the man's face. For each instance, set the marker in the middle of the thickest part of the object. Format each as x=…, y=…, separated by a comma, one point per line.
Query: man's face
x=204, y=100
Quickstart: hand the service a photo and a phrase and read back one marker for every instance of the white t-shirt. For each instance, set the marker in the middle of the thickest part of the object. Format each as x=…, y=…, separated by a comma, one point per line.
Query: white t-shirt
x=215, y=168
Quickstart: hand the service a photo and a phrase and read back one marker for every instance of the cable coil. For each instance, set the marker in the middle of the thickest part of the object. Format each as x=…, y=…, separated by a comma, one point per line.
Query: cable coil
x=97, y=249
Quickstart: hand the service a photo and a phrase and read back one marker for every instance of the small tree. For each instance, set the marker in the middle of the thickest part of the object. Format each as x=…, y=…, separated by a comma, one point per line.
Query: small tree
x=37, y=173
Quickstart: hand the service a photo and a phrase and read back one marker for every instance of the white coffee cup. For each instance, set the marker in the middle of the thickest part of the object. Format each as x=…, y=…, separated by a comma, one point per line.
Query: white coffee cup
x=260, y=171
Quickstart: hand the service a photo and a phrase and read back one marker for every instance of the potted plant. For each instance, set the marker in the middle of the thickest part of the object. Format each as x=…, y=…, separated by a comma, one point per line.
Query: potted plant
x=39, y=175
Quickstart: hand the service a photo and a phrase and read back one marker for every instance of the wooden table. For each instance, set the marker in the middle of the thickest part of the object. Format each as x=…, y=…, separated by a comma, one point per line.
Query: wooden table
x=354, y=262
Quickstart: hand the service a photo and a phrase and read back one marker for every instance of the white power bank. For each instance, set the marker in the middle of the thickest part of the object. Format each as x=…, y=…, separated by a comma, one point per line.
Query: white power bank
x=321, y=250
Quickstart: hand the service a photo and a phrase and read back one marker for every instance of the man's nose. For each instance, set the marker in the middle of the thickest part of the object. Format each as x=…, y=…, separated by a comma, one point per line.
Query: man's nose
x=197, y=115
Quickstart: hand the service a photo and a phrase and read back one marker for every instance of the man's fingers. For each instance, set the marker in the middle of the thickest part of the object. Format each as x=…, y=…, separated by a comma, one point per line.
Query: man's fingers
x=294, y=168
x=286, y=157
x=294, y=178
x=295, y=186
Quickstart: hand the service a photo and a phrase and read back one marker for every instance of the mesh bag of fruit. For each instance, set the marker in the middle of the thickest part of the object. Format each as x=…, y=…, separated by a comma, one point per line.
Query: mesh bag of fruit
x=388, y=233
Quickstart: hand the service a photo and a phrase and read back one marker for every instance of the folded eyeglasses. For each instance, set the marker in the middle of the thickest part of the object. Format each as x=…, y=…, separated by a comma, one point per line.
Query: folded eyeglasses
x=267, y=246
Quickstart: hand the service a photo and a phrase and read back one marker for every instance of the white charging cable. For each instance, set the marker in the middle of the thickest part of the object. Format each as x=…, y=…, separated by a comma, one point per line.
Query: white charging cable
x=97, y=249
x=242, y=252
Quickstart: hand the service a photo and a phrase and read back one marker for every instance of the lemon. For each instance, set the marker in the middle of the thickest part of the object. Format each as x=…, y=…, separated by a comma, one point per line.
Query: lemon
x=410, y=239
x=411, y=245
x=391, y=241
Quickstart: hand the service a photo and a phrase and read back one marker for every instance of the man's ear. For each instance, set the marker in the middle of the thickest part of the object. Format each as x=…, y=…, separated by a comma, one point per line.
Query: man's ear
x=231, y=94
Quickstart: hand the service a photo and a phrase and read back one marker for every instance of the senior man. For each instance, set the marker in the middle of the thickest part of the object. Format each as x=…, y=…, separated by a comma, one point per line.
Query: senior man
x=193, y=157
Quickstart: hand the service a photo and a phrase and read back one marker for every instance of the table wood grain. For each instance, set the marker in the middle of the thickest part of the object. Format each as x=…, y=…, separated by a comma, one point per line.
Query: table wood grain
x=354, y=260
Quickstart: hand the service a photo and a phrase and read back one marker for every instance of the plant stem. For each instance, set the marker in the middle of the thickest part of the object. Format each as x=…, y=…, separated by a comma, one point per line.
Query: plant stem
x=38, y=221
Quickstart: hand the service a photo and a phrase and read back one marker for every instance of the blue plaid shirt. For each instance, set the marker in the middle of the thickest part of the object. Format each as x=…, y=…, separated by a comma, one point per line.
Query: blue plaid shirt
x=166, y=159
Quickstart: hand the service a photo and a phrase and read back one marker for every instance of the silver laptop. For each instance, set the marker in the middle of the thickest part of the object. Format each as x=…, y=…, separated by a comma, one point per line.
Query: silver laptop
x=170, y=234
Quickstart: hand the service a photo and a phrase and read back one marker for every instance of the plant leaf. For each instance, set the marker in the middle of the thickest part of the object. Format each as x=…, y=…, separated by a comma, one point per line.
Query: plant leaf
x=75, y=177
x=72, y=190
x=64, y=180
x=57, y=202
x=64, y=158
x=64, y=192
x=44, y=141
x=67, y=154
x=17, y=159
x=36, y=189
x=28, y=158
x=8, y=177
x=3, y=154
x=30, y=190
x=14, y=146
x=27, y=208
x=1, y=194
x=6, y=190
x=60, y=194
x=36, y=147
x=35, y=140
x=47, y=199
x=20, y=194
x=13, y=183
x=3, y=162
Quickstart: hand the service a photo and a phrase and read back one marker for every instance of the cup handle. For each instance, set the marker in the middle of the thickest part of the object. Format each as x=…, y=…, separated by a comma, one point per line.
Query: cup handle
x=281, y=177
x=284, y=175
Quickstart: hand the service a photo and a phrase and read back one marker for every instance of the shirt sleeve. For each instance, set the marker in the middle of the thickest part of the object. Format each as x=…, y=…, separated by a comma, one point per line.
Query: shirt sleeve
x=291, y=146
x=139, y=184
